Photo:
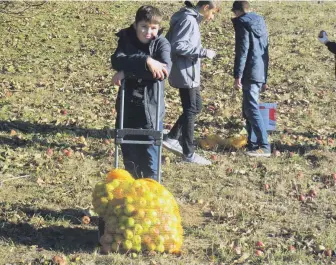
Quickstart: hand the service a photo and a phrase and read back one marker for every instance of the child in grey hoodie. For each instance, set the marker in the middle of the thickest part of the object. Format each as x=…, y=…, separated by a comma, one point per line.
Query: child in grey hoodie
x=186, y=52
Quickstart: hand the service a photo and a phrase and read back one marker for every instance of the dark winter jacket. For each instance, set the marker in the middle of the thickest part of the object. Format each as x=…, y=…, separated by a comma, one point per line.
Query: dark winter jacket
x=185, y=39
x=140, y=86
x=251, y=48
x=331, y=46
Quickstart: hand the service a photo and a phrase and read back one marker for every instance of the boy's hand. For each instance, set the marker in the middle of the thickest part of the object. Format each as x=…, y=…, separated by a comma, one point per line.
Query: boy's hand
x=157, y=68
x=323, y=37
x=210, y=54
x=116, y=79
x=264, y=88
x=237, y=83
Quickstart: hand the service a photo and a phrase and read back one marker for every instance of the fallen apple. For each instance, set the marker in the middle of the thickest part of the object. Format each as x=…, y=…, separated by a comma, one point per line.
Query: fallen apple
x=291, y=248
x=259, y=253
x=67, y=152
x=302, y=198
x=312, y=193
x=260, y=245
x=50, y=152
x=328, y=252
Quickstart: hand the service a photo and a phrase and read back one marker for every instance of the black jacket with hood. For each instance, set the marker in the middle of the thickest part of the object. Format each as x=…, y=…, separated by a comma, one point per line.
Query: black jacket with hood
x=140, y=86
x=331, y=46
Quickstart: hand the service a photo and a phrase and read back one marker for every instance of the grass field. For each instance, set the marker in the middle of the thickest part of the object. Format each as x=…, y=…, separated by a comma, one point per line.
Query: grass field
x=56, y=95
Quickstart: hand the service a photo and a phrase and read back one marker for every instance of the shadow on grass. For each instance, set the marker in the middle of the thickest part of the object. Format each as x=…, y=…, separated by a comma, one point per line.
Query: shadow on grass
x=29, y=127
x=296, y=148
x=15, y=142
x=54, y=237
x=44, y=129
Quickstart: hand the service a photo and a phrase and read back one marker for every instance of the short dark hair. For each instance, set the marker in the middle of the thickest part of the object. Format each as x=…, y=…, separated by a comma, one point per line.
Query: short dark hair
x=201, y=3
x=242, y=6
x=204, y=3
x=148, y=14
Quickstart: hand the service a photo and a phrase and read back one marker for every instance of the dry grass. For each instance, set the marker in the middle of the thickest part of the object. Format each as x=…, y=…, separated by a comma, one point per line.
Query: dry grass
x=56, y=57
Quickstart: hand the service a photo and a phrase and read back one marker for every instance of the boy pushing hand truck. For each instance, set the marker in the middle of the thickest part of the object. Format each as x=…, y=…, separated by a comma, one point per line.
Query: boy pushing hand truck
x=142, y=60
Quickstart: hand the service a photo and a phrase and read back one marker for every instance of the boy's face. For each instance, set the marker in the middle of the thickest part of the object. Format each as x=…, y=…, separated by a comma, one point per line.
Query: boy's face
x=209, y=14
x=146, y=31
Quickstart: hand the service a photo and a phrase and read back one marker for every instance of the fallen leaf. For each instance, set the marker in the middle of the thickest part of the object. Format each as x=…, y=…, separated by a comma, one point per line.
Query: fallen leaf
x=40, y=181
x=13, y=133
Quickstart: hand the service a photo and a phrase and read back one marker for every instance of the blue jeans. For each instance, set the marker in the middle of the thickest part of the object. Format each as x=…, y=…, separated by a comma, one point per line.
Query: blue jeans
x=140, y=160
x=256, y=129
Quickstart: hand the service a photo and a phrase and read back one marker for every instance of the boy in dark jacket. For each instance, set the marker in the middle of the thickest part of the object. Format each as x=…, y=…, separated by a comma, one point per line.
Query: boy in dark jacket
x=323, y=38
x=142, y=58
x=250, y=72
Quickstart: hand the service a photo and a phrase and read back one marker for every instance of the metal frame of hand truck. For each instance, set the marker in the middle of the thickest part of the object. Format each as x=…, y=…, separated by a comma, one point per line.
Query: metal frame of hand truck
x=121, y=132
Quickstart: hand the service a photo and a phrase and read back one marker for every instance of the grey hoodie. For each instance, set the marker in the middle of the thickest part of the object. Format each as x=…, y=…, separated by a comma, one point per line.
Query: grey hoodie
x=186, y=49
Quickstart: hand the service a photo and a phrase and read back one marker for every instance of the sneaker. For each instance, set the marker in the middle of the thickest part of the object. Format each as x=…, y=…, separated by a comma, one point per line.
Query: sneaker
x=172, y=145
x=259, y=153
x=197, y=159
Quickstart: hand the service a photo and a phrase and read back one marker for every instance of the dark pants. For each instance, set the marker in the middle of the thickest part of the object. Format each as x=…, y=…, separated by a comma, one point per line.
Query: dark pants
x=256, y=129
x=140, y=160
x=192, y=104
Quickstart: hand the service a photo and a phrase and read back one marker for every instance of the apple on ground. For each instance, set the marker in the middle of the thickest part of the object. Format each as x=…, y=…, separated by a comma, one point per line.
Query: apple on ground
x=259, y=253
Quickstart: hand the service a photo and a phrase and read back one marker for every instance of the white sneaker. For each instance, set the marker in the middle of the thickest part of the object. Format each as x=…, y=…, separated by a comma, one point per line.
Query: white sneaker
x=197, y=159
x=173, y=145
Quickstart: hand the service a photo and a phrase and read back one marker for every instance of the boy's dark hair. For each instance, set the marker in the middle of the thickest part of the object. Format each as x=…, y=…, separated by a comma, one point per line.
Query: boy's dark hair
x=148, y=14
x=201, y=3
x=242, y=6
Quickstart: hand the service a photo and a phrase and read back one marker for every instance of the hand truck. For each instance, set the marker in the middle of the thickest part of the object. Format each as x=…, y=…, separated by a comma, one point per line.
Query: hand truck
x=121, y=132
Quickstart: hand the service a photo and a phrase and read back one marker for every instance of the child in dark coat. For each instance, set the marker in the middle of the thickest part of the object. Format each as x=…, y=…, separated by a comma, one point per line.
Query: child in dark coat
x=142, y=58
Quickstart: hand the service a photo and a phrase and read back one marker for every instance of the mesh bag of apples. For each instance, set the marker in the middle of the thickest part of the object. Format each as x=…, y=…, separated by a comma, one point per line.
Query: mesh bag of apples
x=139, y=215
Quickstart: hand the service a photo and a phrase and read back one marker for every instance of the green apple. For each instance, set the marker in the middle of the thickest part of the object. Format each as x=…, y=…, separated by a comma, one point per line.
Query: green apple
x=151, y=246
x=146, y=224
x=109, y=187
x=160, y=248
x=160, y=201
x=118, y=210
x=128, y=234
x=140, y=213
x=115, y=183
x=103, y=201
x=138, y=229
x=154, y=231
x=110, y=196
x=159, y=240
x=130, y=222
x=123, y=219
x=142, y=202
x=128, y=200
x=137, y=240
x=149, y=196
x=121, y=229
x=136, y=247
x=152, y=214
x=127, y=244
x=129, y=209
